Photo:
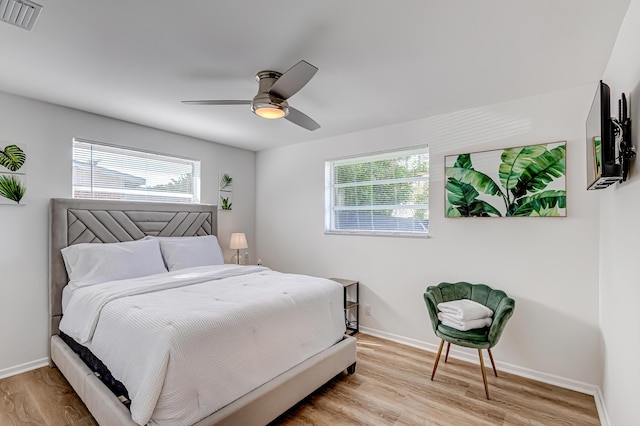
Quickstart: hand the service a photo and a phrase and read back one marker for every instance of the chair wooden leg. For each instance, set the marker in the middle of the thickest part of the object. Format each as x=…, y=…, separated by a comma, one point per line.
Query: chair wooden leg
x=446, y=355
x=435, y=364
x=484, y=374
x=493, y=364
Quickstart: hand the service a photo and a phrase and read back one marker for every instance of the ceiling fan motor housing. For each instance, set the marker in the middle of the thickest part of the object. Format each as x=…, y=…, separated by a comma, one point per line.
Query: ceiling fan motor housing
x=264, y=100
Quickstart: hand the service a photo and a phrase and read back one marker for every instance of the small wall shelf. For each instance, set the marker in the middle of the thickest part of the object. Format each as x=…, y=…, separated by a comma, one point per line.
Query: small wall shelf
x=351, y=304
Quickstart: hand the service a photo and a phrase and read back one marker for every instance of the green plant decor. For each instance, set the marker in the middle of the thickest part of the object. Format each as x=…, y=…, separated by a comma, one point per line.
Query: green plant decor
x=226, y=205
x=225, y=181
x=11, y=188
x=524, y=173
x=12, y=157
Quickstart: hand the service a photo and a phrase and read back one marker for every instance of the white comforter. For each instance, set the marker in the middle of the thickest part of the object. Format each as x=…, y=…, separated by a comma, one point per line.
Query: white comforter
x=187, y=343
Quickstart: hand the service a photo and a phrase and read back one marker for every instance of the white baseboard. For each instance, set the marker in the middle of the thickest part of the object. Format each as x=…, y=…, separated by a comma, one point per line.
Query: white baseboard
x=602, y=408
x=460, y=353
x=23, y=368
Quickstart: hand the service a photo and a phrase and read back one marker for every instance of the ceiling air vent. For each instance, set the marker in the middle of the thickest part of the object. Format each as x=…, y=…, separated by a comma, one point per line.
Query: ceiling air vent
x=22, y=13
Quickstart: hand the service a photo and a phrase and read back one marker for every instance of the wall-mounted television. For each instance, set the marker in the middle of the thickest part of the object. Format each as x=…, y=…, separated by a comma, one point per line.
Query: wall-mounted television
x=603, y=167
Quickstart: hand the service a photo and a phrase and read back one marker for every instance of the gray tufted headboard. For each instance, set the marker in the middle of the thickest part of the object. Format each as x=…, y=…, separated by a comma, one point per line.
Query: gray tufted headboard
x=74, y=221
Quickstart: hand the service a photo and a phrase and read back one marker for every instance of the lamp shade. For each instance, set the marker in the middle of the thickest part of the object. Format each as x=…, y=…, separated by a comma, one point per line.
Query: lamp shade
x=238, y=241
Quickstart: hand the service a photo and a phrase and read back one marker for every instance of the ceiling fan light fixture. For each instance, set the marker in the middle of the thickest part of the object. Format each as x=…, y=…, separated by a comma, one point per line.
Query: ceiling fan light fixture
x=270, y=112
x=269, y=107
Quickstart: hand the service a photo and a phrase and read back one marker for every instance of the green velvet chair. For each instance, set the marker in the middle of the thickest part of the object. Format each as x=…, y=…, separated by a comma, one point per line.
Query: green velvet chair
x=482, y=338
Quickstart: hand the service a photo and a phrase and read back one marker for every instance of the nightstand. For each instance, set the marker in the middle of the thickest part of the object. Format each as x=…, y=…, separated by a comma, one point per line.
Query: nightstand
x=351, y=304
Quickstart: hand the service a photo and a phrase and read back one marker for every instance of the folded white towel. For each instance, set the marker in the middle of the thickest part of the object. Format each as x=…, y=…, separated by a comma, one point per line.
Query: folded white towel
x=463, y=325
x=465, y=310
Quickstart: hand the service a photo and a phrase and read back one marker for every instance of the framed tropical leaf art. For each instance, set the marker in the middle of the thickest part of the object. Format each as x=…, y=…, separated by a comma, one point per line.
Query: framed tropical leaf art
x=13, y=174
x=521, y=181
x=225, y=191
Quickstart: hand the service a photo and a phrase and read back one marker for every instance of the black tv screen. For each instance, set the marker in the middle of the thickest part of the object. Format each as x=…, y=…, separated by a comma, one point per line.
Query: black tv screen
x=602, y=165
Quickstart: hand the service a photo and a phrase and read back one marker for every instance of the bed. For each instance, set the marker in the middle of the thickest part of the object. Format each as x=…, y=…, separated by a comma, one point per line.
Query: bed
x=75, y=221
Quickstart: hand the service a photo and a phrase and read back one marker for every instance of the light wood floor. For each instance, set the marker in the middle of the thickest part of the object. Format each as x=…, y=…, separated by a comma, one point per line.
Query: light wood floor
x=391, y=387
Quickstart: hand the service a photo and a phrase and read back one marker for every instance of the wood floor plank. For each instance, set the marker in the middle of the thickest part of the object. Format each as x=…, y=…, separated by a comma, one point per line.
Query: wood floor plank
x=53, y=396
x=391, y=387
x=16, y=403
x=400, y=375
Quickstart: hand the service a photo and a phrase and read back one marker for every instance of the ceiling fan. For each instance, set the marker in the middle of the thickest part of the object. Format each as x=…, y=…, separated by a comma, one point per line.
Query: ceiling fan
x=274, y=88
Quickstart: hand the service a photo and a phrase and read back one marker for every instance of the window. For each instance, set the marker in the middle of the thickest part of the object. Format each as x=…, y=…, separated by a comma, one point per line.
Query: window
x=117, y=173
x=385, y=193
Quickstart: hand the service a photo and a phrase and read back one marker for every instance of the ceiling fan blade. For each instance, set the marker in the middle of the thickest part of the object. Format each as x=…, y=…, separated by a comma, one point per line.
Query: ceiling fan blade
x=301, y=119
x=217, y=102
x=293, y=80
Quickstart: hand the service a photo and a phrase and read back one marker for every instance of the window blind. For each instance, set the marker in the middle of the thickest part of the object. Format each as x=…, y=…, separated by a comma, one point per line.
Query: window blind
x=385, y=193
x=118, y=173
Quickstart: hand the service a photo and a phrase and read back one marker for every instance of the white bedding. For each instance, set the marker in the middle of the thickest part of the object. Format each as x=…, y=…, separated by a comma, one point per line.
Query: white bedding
x=187, y=343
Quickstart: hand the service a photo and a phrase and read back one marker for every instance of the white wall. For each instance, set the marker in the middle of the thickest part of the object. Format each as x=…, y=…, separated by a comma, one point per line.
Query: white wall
x=48, y=130
x=549, y=265
x=620, y=236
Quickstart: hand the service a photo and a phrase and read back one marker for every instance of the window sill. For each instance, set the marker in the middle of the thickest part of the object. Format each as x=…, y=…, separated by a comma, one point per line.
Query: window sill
x=379, y=234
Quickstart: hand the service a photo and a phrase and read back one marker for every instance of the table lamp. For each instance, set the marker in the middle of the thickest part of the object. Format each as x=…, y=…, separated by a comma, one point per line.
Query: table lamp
x=238, y=241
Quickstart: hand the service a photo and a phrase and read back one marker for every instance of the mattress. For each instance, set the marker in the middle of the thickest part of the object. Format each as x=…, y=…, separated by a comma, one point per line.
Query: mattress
x=187, y=343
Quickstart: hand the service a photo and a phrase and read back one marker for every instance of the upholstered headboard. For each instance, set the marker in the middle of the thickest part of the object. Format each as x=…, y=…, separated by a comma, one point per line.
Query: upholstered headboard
x=74, y=221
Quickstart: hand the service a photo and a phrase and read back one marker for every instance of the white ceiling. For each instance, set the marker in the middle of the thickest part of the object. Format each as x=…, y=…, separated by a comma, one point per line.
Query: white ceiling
x=381, y=61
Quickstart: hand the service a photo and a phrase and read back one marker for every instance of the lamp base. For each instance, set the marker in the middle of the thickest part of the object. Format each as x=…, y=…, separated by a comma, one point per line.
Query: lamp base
x=240, y=258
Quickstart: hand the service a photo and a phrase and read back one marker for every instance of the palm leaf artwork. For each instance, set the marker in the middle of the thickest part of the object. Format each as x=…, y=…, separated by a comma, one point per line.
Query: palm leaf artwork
x=546, y=203
x=225, y=190
x=522, y=172
x=225, y=182
x=463, y=200
x=225, y=203
x=12, y=157
x=11, y=188
x=524, y=176
x=480, y=181
x=462, y=178
x=463, y=161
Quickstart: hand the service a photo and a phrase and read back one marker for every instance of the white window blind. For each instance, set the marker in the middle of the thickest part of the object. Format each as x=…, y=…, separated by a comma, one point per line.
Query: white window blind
x=385, y=193
x=117, y=173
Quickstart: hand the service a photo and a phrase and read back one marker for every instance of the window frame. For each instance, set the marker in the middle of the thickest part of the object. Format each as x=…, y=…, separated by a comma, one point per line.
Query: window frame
x=329, y=213
x=196, y=165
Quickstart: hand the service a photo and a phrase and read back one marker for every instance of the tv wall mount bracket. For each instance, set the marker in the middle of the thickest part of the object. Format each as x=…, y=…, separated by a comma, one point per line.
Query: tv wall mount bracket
x=622, y=135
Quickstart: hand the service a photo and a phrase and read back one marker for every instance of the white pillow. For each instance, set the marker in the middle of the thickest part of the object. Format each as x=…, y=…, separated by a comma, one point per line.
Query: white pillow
x=91, y=263
x=188, y=252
